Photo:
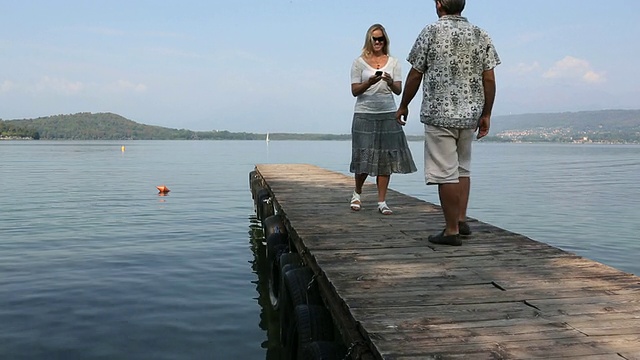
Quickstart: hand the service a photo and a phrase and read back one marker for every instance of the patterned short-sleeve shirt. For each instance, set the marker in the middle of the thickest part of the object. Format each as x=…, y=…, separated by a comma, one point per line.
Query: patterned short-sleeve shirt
x=452, y=54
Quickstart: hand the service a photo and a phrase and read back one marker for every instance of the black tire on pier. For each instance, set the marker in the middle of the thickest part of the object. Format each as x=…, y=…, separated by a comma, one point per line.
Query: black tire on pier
x=264, y=208
x=310, y=323
x=323, y=350
x=288, y=261
x=273, y=224
x=277, y=244
x=256, y=185
x=298, y=290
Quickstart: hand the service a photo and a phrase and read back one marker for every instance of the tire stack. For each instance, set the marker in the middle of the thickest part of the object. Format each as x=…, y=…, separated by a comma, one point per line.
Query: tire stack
x=307, y=330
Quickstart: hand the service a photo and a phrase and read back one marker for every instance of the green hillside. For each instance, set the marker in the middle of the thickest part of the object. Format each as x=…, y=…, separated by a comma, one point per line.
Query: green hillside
x=101, y=126
x=108, y=126
x=15, y=131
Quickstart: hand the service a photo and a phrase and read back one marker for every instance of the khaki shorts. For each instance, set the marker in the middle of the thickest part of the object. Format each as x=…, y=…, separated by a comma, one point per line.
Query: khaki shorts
x=447, y=154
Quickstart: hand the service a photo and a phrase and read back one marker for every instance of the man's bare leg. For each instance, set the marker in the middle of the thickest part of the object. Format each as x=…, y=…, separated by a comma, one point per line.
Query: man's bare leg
x=450, y=202
x=465, y=188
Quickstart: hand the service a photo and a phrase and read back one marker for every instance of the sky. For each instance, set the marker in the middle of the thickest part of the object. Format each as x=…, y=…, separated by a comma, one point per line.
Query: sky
x=284, y=65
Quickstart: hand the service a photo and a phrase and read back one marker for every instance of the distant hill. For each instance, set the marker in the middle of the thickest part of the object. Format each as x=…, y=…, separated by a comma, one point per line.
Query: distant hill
x=100, y=126
x=579, y=121
x=611, y=126
x=108, y=126
x=619, y=126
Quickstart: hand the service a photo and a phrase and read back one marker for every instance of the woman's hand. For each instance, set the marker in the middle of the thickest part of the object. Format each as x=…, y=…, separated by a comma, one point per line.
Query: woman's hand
x=374, y=79
x=360, y=88
x=395, y=86
x=387, y=77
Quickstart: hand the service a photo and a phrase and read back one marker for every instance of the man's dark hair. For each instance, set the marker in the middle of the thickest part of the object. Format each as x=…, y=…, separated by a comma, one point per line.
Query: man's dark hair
x=452, y=6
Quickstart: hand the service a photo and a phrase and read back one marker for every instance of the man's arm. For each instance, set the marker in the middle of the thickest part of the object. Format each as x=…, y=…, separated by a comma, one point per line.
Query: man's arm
x=414, y=78
x=489, y=85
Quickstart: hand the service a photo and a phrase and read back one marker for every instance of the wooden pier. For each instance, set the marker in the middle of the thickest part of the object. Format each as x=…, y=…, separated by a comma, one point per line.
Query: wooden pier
x=500, y=295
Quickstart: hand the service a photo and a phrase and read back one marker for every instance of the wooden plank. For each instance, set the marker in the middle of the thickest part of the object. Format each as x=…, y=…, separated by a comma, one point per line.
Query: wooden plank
x=533, y=349
x=469, y=295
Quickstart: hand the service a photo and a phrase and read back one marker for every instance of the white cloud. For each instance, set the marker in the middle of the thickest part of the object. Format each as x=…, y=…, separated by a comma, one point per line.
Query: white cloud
x=163, y=34
x=174, y=53
x=522, y=68
x=105, y=31
x=125, y=85
x=593, y=77
x=6, y=86
x=526, y=38
x=59, y=86
x=574, y=68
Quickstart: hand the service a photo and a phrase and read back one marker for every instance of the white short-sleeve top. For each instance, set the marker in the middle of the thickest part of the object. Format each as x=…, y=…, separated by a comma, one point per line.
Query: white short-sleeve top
x=378, y=98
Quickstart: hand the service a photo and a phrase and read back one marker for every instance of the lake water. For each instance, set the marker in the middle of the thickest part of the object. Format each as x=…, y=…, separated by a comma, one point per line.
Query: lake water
x=94, y=264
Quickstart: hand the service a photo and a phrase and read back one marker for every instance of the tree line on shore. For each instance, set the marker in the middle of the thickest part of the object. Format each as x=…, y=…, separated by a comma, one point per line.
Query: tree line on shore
x=612, y=126
x=108, y=126
x=12, y=131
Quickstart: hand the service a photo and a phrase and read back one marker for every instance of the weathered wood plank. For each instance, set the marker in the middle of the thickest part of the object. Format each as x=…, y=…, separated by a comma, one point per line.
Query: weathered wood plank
x=531, y=349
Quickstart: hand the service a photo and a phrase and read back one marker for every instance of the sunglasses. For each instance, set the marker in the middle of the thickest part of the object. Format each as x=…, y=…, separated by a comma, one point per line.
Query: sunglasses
x=378, y=39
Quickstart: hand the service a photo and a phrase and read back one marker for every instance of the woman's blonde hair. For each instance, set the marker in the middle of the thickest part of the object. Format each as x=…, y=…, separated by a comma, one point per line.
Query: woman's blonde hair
x=367, y=48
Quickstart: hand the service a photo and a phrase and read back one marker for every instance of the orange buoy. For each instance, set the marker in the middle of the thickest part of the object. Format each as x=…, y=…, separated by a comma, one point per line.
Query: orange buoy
x=162, y=189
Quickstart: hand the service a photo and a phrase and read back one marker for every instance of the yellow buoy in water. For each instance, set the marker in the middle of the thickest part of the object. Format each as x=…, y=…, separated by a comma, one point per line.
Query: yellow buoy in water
x=122, y=148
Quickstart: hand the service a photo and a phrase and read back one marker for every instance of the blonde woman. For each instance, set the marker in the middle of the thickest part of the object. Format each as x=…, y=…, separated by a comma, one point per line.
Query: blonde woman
x=379, y=146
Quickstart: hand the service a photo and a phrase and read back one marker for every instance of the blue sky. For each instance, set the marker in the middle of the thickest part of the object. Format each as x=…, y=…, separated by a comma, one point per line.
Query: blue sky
x=283, y=65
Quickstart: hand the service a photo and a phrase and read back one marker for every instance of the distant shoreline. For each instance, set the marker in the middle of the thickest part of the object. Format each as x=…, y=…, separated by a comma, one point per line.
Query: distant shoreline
x=585, y=127
x=409, y=138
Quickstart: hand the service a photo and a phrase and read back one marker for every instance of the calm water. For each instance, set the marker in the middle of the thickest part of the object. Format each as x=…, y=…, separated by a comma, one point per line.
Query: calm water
x=95, y=265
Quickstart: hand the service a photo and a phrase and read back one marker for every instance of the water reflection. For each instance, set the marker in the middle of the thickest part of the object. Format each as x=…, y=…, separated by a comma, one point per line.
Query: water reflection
x=269, y=318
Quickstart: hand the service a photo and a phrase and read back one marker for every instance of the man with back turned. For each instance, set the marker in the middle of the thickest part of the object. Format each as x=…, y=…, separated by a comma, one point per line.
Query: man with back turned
x=454, y=60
